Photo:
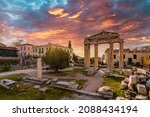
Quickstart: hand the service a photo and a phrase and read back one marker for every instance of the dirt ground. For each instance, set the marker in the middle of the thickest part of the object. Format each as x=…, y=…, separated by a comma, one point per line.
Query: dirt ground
x=92, y=84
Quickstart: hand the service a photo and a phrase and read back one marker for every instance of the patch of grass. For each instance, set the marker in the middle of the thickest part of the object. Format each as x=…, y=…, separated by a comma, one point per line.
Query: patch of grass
x=115, y=84
x=27, y=92
x=69, y=72
x=5, y=69
x=116, y=72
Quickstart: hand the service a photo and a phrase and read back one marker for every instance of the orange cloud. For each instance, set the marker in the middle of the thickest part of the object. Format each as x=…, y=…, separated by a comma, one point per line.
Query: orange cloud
x=56, y=11
x=140, y=39
x=107, y=24
x=127, y=27
x=64, y=15
x=131, y=25
x=44, y=35
x=75, y=15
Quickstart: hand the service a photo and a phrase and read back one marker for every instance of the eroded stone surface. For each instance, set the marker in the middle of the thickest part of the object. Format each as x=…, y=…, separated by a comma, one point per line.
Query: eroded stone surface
x=141, y=89
x=148, y=84
x=124, y=85
x=106, y=91
x=141, y=97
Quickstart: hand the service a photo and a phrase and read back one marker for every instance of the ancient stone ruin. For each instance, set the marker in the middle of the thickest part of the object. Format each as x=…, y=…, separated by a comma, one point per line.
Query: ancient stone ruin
x=136, y=86
x=103, y=38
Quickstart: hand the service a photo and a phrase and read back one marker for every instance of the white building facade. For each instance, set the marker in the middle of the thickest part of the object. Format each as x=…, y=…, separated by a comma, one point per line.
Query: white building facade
x=40, y=50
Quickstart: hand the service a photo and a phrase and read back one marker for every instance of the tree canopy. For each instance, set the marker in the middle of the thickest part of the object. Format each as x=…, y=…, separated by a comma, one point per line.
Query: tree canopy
x=57, y=59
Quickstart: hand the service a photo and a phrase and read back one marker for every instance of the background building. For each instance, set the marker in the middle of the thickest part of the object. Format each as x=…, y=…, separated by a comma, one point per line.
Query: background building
x=8, y=51
x=8, y=56
x=39, y=51
x=29, y=50
x=136, y=57
x=25, y=50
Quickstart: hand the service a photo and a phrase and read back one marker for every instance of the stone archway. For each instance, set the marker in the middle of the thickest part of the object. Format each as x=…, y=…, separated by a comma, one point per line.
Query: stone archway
x=103, y=38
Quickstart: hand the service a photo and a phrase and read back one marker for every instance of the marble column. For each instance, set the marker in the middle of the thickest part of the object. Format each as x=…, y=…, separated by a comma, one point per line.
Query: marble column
x=111, y=57
x=121, y=52
x=39, y=68
x=86, y=55
x=95, y=56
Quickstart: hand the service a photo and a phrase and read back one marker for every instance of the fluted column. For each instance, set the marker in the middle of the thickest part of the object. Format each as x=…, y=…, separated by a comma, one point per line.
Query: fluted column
x=121, y=52
x=96, y=56
x=111, y=57
x=86, y=55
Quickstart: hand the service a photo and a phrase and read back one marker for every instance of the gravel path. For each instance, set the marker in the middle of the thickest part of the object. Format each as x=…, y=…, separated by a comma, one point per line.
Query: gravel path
x=31, y=72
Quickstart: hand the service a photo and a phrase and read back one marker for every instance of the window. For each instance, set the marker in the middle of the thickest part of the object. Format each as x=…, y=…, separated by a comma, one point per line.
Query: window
x=42, y=50
x=135, y=56
x=39, y=50
x=24, y=48
x=115, y=56
x=28, y=48
x=124, y=56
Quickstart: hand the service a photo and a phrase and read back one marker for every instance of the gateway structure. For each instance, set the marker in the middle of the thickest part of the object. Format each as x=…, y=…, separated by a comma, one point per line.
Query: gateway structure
x=103, y=38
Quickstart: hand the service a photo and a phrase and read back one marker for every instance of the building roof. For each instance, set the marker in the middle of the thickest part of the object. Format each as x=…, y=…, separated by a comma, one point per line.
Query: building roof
x=2, y=45
x=8, y=48
x=51, y=44
x=25, y=44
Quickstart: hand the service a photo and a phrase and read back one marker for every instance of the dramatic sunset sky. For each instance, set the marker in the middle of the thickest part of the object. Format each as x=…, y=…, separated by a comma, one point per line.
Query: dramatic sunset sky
x=58, y=21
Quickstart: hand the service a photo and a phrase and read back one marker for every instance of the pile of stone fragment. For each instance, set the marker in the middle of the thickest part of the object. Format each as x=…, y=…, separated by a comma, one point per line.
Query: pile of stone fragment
x=136, y=86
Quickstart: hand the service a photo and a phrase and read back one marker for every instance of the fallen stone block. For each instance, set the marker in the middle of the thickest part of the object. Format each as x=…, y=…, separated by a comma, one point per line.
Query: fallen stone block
x=124, y=85
x=106, y=91
x=44, y=89
x=143, y=79
x=121, y=98
x=133, y=79
x=126, y=80
x=72, y=85
x=148, y=84
x=37, y=86
x=141, y=89
x=141, y=97
x=127, y=72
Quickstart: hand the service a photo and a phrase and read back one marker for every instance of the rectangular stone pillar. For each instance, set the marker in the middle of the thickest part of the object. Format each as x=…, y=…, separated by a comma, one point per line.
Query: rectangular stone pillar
x=121, y=52
x=86, y=56
x=39, y=68
x=111, y=57
x=95, y=56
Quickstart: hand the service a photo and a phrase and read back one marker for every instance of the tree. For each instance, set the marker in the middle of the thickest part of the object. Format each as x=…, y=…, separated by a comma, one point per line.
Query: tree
x=75, y=57
x=57, y=59
x=70, y=45
x=18, y=42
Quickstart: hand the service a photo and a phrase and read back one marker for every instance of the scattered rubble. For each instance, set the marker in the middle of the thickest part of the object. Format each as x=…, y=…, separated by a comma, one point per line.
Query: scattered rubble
x=72, y=85
x=37, y=86
x=124, y=85
x=8, y=84
x=35, y=80
x=137, y=86
x=43, y=89
x=141, y=89
x=141, y=97
x=127, y=72
x=121, y=98
x=106, y=91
